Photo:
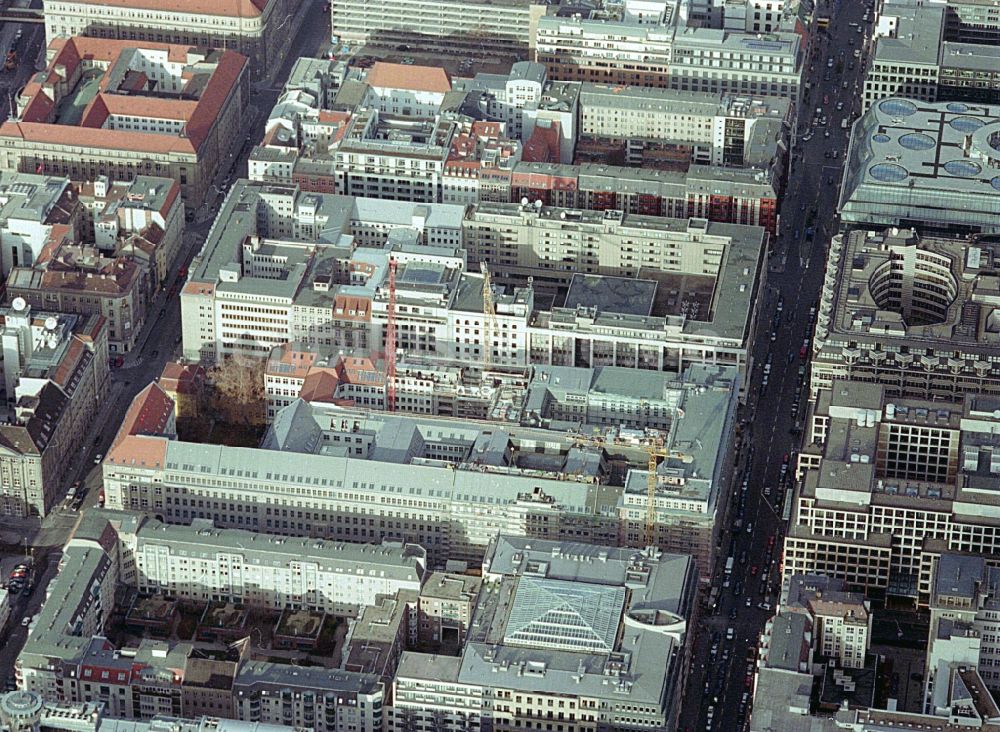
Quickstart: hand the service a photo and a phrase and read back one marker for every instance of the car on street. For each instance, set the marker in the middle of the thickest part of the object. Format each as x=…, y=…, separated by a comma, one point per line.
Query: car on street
x=26, y=621
x=97, y=458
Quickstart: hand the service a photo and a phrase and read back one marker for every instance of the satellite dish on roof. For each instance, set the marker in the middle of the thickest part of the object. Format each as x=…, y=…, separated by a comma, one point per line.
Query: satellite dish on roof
x=19, y=304
x=50, y=323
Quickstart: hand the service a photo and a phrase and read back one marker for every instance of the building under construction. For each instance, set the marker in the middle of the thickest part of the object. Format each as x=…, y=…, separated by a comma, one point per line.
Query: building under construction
x=346, y=472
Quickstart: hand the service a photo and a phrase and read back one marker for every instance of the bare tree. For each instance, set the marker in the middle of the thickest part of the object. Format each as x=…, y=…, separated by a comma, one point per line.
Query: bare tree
x=238, y=391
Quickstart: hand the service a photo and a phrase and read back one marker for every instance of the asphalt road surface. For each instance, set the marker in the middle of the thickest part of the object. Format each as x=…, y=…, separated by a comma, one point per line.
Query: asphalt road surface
x=722, y=678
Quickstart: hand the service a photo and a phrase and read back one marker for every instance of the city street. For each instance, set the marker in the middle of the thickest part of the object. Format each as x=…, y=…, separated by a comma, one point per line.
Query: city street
x=161, y=338
x=774, y=410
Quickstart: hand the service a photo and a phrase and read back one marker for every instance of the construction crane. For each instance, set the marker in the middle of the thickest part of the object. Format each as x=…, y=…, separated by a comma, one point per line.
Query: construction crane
x=655, y=451
x=390, y=342
x=490, y=328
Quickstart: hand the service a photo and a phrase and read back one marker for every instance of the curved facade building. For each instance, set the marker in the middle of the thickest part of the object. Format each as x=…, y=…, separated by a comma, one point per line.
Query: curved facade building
x=922, y=164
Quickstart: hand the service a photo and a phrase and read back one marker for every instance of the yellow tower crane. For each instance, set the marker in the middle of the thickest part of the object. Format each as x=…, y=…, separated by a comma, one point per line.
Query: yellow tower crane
x=655, y=451
x=490, y=328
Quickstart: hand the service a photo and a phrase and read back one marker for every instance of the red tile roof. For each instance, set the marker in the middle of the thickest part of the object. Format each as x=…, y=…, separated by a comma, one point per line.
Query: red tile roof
x=320, y=385
x=228, y=8
x=181, y=378
x=138, y=451
x=200, y=115
x=404, y=76
x=198, y=288
x=148, y=415
x=543, y=145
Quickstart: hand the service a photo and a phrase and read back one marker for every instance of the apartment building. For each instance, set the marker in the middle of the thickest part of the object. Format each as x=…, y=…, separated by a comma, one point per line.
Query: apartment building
x=445, y=608
x=334, y=474
x=732, y=130
x=624, y=303
x=55, y=376
x=546, y=639
x=915, y=314
x=843, y=629
x=502, y=28
x=68, y=660
x=110, y=261
x=411, y=133
x=281, y=266
x=309, y=697
x=922, y=52
x=964, y=603
x=257, y=29
x=582, y=399
x=842, y=621
x=718, y=194
x=931, y=165
x=26, y=711
x=200, y=562
x=527, y=103
x=888, y=484
x=121, y=109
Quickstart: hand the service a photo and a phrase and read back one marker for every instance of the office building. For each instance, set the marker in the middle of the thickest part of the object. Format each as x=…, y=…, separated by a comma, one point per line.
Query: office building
x=110, y=260
x=923, y=52
x=127, y=108
x=793, y=696
x=651, y=44
x=547, y=638
x=34, y=209
x=338, y=475
x=454, y=26
x=257, y=29
x=275, y=269
x=282, y=266
x=923, y=164
x=55, y=378
x=972, y=21
x=888, y=484
x=915, y=314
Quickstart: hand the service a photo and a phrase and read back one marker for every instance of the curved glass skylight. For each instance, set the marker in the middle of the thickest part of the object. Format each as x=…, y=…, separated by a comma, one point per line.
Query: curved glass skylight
x=957, y=107
x=888, y=172
x=897, y=107
x=966, y=125
x=963, y=168
x=880, y=137
x=917, y=141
